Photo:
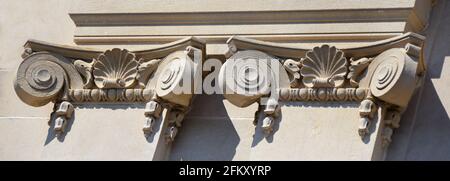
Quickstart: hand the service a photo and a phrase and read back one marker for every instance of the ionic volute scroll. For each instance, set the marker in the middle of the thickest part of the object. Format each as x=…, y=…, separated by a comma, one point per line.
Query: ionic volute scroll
x=43, y=77
x=173, y=82
x=71, y=76
x=392, y=78
x=251, y=76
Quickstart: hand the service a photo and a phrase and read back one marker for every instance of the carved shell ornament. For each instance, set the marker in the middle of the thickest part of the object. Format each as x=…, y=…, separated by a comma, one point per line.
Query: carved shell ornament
x=115, y=68
x=324, y=66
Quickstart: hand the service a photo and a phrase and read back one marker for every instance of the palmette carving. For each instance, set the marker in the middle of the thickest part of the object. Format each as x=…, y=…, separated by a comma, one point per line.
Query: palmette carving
x=115, y=68
x=324, y=66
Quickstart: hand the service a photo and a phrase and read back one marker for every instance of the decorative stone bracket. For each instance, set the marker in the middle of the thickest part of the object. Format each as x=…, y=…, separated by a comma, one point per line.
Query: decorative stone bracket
x=66, y=75
x=382, y=75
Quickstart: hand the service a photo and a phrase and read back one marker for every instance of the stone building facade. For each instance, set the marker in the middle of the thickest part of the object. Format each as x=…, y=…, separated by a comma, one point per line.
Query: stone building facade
x=224, y=80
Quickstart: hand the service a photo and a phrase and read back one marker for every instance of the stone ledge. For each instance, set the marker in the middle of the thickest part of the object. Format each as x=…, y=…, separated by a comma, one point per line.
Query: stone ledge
x=115, y=22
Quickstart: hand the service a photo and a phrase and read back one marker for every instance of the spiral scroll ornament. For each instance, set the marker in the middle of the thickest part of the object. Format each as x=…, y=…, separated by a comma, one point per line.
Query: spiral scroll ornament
x=393, y=77
x=251, y=76
x=39, y=79
x=175, y=78
x=385, y=74
x=248, y=75
x=171, y=75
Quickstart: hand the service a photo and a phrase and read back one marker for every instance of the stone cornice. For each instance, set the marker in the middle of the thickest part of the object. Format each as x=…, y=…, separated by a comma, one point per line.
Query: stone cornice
x=290, y=22
x=90, y=53
x=287, y=51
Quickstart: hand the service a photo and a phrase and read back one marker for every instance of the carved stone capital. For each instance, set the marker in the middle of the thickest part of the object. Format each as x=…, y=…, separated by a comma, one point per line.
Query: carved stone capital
x=384, y=73
x=66, y=75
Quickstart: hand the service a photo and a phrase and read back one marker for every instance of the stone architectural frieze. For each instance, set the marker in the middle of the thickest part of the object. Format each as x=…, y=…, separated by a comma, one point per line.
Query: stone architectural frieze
x=382, y=75
x=379, y=76
x=65, y=75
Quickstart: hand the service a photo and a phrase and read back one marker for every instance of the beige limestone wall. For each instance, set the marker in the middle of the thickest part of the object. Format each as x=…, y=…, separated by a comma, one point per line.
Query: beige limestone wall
x=318, y=131
x=343, y=23
x=24, y=128
x=111, y=132
x=222, y=132
x=215, y=130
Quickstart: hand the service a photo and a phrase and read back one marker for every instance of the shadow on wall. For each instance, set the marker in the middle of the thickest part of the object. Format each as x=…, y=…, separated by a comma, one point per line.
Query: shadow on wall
x=51, y=135
x=259, y=133
x=207, y=132
x=428, y=137
x=438, y=40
